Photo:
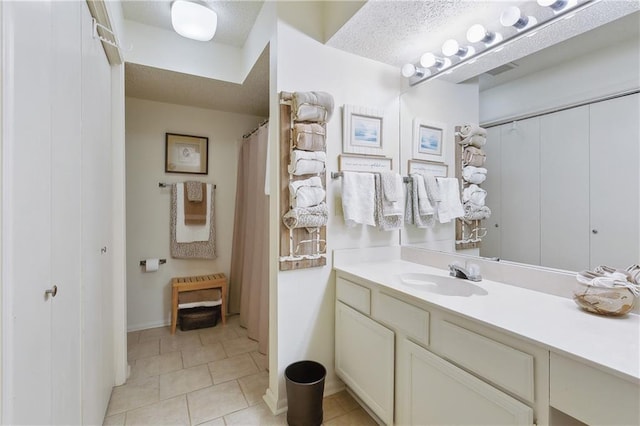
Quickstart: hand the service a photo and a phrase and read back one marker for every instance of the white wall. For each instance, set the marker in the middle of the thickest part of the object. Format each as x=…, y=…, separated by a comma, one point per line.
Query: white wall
x=305, y=298
x=450, y=105
x=148, y=294
x=601, y=73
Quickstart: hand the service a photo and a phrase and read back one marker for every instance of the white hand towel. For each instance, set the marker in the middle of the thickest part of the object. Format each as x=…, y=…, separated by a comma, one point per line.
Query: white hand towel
x=419, y=220
x=433, y=191
x=392, y=194
x=385, y=222
x=307, y=162
x=450, y=207
x=474, y=174
x=191, y=233
x=358, y=198
x=306, y=193
x=425, y=207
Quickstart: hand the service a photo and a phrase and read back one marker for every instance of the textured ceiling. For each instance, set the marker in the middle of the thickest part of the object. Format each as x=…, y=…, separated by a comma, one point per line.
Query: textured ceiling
x=160, y=85
x=235, y=18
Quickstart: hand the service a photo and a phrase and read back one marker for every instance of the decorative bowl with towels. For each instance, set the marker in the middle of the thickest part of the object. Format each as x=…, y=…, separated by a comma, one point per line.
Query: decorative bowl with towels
x=608, y=291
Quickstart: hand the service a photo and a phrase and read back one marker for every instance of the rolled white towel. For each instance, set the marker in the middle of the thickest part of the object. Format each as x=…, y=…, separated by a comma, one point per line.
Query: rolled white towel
x=475, y=140
x=472, y=129
x=474, y=194
x=307, y=162
x=306, y=193
x=474, y=174
x=312, y=106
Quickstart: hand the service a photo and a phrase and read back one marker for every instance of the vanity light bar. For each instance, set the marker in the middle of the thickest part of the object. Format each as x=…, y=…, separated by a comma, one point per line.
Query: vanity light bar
x=437, y=68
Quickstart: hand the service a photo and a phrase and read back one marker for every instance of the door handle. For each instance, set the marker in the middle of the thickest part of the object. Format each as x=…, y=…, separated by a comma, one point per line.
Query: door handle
x=51, y=292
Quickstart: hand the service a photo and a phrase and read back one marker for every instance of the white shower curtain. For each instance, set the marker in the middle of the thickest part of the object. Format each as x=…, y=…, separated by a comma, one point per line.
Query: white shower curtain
x=249, y=276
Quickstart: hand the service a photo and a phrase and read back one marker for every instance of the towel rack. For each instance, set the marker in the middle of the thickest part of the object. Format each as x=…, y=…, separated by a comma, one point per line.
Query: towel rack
x=164, y=185
x=336, y=175
x=161, y=262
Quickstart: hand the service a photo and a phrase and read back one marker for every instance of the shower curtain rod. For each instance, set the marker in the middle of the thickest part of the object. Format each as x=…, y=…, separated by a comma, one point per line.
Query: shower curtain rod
x=246, y=135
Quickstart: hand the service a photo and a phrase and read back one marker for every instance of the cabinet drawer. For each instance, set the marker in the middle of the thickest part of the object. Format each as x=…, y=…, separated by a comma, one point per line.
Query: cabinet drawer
x=494, y=361
x=354, y=295
x=405, y=318
x=591, y=395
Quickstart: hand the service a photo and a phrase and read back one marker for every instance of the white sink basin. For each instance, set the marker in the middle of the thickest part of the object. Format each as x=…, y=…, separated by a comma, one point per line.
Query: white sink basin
x=443, y=285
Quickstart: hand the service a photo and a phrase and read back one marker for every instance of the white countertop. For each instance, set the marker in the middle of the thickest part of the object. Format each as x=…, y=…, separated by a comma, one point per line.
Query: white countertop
x=556, y=323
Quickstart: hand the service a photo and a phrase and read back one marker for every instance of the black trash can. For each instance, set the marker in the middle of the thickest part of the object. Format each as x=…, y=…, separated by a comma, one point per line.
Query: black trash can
x=305, y=387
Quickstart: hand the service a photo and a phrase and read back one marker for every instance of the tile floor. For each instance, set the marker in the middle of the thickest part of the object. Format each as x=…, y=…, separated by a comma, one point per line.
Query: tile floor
x=213, y=376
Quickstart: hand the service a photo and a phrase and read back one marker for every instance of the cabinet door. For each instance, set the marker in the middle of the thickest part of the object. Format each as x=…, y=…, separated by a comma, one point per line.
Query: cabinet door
x=432, y=391
x=615, y=132
x=365, y=358
x=564, y=189
x=520, y=162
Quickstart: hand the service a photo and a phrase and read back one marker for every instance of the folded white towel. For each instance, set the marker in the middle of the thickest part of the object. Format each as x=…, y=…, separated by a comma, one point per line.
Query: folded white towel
x=312, y=106
x=474, y=194
x=307, y=162
x=390, y=222
x=450, y=207
x=358, y=198
x=392, y=194
x=306, y=193
x=474, y=174
x=473, y=212
x=208, y=303
x=475, y=140
x=433, y=191
x=471, y=129
x=424, y=204
x=191, y=233
x=419, y=220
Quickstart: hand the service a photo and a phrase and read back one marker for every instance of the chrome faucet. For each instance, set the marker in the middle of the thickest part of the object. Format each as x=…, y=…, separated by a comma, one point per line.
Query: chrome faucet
x=469, y=272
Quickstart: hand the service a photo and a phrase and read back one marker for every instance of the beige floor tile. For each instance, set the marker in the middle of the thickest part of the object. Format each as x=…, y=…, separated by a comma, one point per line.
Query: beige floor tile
x=232, y=368
x=256, y=415
x=331, y=408
x=357, y=417
x=180, y=342
x=156, y=365
x=115, y=420
x=203, y=355
x=254, y=387
x=346, y=401
x=183, y=381
x=215, y=401
x=143, y=350
x=170, y=412
x=215, y=422
x=261, y=360
x=239, y=346
x=134, y=395
x=132, y=338
x=217, y=334
x=241, y=331
x=154, y=333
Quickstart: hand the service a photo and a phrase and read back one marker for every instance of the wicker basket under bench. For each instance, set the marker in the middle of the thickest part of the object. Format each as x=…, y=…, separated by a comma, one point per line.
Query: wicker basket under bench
x=198, y=282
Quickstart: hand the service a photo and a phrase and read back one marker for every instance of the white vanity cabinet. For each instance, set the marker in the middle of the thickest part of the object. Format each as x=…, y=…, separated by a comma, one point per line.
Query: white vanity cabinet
x=364, y=351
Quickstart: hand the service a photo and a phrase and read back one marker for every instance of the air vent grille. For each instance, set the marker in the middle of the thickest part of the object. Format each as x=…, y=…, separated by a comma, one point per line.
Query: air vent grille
x=502, y=68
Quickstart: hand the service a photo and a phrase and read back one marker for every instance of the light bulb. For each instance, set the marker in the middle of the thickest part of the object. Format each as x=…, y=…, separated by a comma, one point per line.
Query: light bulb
x=477, y=33
x=429, y=60
x=553, y=4
x=511, y=17
x=193, y=20
x=451, y=47
x=408, y=70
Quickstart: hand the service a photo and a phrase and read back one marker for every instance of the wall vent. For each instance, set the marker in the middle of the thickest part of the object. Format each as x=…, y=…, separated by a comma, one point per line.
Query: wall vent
x=502, y=68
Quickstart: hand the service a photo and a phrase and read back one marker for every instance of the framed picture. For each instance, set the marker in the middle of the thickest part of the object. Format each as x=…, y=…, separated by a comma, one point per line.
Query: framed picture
x=428, y=167
x=362, y=130
x=186, y=154
x=429, y=140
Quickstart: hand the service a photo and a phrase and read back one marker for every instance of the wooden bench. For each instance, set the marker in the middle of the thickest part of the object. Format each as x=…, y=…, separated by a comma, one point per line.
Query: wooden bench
x=199, y=282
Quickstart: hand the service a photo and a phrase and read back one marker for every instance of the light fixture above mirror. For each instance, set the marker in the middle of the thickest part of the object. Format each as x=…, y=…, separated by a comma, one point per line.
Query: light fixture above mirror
x=483, y=41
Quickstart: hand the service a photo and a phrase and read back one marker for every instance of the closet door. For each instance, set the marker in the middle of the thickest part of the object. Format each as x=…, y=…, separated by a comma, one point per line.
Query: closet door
x=97, y=303
x=564, y=189
x=615, y=132
x=520, y=160
x=491, y=243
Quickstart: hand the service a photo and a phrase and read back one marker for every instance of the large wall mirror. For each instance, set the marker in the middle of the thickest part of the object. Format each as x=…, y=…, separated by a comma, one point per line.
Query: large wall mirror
x=563, y=151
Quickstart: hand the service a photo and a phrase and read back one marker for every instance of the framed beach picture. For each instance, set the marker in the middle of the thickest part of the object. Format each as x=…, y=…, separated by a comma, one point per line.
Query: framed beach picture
x=362, y=130
x=186, y=154
x=429, y=140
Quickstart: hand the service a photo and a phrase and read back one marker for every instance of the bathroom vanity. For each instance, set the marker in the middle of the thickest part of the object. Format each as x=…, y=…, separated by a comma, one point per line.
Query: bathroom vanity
x=419, y=347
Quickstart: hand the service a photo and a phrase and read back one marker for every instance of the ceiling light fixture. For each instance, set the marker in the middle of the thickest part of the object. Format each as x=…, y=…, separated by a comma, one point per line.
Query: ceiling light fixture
x=431, y=66
x=193, y=20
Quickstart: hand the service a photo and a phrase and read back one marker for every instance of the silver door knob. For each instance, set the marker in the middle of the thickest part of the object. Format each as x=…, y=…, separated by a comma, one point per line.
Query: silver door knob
x=51, y=292
x=594, y=231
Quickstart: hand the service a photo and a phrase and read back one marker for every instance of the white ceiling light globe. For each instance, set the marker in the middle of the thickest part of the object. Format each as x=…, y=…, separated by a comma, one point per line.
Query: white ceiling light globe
x=408, y=70
x=477, y=33
x=553, y=4
x=193, y=20
x=429, y=60
x=451, y=48
x=511, y=17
